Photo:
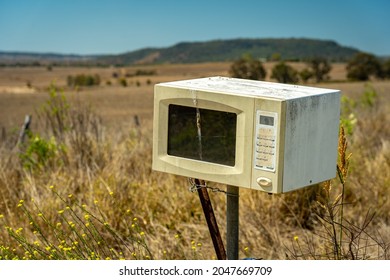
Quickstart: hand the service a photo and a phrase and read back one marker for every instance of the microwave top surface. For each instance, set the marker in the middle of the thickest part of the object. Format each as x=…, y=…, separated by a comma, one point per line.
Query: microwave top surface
x=234, y=86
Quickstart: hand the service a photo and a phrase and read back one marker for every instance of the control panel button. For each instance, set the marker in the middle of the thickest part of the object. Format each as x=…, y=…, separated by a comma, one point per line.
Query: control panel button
x=264, y=182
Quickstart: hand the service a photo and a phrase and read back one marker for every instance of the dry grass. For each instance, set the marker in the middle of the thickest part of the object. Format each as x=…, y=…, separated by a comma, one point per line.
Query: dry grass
x=103, y=161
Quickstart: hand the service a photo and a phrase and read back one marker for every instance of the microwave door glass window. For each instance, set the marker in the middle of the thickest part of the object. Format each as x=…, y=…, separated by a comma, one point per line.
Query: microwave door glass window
x=202, y=134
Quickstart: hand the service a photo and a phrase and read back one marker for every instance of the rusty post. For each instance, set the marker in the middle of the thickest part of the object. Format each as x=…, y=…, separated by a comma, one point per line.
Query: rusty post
x=210, y=219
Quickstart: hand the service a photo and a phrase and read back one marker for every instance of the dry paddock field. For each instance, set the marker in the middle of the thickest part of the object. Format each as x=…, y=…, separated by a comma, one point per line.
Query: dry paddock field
x=170, y=219
x=115, y=103
x=23, y=90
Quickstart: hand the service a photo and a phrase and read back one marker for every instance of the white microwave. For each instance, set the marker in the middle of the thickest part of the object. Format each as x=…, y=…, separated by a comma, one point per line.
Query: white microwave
x=260, y=135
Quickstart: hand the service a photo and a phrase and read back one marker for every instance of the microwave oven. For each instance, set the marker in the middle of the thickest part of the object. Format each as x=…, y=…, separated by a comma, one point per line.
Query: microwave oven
x=260, y=135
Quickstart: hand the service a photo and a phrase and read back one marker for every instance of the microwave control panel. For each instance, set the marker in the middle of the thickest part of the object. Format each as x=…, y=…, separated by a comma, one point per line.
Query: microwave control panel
x=265, y=140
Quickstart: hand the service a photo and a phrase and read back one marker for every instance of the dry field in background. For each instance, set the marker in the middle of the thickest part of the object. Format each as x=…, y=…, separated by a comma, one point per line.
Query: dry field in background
x=118, y=170
x=116, y=104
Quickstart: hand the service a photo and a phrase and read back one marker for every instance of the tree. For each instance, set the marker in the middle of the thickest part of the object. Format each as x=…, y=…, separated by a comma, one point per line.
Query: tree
x=284, y=73
x=276, y=57
x=362, y=66
x=320, y=68
x=386, y=69
x=305, y=75
x=248, y=68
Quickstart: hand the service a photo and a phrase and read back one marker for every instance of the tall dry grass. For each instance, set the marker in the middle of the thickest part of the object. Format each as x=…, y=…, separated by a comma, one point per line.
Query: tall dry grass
x=73, y=171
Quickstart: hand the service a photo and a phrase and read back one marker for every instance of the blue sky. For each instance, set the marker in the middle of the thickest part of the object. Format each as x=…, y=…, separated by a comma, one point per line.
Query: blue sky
x=117, y=26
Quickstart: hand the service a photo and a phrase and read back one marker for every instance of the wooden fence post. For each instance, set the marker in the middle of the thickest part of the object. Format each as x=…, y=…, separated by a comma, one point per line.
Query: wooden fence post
x=24, y=129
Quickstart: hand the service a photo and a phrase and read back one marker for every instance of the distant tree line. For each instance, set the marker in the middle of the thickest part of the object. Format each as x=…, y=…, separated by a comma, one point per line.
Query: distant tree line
x=361, y=67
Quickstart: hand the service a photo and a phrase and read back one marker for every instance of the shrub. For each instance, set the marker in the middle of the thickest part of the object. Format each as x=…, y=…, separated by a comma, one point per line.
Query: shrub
x=284, y=73
x=248, y=68
x=362, y=66
x=83, y=80
x=40, y=153
x=318, y=68
x=321, y=68
x=306, y=75
x=74, y=125
x=123, y=82
x=141, y=72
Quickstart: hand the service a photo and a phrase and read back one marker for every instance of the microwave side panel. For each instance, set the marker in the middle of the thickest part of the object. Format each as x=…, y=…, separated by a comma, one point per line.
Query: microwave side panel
x=311, y=140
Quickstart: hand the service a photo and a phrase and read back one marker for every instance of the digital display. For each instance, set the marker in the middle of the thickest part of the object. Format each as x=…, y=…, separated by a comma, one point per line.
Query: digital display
x=266, y=120
x=202, y=134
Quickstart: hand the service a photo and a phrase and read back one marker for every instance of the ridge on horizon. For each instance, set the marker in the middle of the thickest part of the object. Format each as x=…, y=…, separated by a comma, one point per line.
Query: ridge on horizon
x=198, y=51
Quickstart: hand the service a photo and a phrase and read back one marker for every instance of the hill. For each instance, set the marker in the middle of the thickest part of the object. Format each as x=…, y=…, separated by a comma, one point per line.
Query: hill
x=36, y=59
x=194, y=52
x=228, y=50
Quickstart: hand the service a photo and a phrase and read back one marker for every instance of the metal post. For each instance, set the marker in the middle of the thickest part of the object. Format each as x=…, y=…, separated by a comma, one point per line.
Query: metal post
x=232, y=222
